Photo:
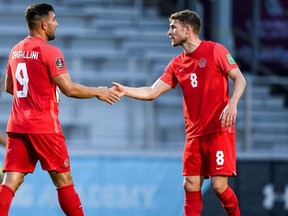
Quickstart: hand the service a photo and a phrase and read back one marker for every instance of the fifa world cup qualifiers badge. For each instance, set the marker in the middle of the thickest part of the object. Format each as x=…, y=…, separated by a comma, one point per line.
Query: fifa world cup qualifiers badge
x=60, y=63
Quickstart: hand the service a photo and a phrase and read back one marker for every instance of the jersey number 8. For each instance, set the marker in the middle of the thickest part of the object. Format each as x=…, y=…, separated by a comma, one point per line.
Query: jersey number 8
x=194, y=81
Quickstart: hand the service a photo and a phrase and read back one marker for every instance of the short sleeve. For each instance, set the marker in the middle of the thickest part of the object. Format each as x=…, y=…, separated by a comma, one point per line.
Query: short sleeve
x=168, y=76
x=224, y=59
x=55, y=61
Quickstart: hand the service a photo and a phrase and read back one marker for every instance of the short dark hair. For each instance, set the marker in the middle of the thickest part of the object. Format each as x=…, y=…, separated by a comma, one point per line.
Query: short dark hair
x=36, y=12
x=188, y=17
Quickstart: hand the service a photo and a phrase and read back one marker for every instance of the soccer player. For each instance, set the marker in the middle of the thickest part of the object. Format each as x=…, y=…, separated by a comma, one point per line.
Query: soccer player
x=2, y=136
x=2, y=142
x=34, y=72
x=202, y=70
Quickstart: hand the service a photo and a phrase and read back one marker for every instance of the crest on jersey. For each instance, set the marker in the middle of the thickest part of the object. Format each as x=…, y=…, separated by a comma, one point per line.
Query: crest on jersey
x=202, y=62
x=60, y=63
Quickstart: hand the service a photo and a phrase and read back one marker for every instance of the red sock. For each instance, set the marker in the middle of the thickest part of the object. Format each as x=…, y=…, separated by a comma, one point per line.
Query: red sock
x=193, y=203
x=69, y=201
x=229, y=202
x=6, y=196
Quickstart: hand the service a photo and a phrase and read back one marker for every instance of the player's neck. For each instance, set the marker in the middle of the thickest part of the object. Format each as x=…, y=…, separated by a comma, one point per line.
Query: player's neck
x=36, y=34
x=191, y=46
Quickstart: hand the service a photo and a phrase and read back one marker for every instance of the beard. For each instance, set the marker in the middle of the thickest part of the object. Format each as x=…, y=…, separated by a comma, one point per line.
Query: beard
x=51, y=37
x=180, y=42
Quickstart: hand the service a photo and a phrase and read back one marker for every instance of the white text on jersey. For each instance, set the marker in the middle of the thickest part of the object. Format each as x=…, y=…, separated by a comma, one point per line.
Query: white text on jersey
x=25, y=54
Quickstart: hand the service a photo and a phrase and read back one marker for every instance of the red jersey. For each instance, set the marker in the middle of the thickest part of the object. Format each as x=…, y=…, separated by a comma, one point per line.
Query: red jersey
x=202, y=75
x=32, y=64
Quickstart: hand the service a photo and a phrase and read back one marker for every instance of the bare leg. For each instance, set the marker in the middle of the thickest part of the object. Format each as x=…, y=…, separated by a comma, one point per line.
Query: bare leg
x=13, y=180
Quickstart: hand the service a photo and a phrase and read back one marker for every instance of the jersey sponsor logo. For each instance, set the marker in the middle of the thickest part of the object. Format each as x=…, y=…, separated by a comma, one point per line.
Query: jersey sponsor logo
x=181, y=70
x=230, y=59
x=219, y=168
x=60, y=63
x=202, y=62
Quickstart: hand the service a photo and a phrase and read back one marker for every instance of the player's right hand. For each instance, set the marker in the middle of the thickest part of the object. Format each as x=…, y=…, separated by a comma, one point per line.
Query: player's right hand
x=108, y=95
x=118, y=88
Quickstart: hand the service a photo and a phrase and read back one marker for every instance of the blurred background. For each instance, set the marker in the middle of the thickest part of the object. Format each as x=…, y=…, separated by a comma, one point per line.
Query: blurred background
x=126, y=158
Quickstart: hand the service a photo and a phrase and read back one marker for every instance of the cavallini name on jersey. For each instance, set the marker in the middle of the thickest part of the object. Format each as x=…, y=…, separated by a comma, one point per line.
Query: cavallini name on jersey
x=25, y=54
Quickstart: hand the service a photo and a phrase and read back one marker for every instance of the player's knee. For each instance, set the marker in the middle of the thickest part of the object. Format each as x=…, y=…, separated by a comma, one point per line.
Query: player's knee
x=219, y=183
x=218, y=186
x=13, y=180
x=190, y=185
x=61, y=179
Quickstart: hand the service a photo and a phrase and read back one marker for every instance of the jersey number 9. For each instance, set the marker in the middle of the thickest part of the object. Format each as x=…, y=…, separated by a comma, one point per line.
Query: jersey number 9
x=22, y=79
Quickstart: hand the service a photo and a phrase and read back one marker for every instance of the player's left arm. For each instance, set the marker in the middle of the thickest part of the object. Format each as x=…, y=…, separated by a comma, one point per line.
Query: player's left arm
x=146, y=93
x=228, y=116
x=9, y=84
x=2, y=139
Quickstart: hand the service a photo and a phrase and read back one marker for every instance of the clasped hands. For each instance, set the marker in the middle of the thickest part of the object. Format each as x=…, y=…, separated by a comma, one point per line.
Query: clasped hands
x=111, y=95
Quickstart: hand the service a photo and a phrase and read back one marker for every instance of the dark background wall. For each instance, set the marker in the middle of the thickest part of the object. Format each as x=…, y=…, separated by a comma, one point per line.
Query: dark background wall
x=261, y=187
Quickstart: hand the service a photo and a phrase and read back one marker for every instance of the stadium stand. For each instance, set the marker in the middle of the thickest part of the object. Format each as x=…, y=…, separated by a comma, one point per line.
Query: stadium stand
x=105, y=41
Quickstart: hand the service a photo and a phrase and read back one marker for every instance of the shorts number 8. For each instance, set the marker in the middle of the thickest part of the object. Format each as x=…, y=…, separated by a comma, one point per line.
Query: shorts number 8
x=219, y=157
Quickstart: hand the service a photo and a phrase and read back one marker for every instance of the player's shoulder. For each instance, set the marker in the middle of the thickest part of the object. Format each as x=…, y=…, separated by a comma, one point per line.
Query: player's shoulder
x=209, y=44
x=176, y=59
x=39, y=43
x=50, y=50
x=214, y=47
x=50, y=47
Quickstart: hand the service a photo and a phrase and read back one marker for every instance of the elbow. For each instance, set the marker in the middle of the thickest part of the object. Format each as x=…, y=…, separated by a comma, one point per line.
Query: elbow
x=9, y=90
x=68, y=92
x=152, y=96
x=144, y=98
x=240, y=80
x=244, y=83
x=150, y=99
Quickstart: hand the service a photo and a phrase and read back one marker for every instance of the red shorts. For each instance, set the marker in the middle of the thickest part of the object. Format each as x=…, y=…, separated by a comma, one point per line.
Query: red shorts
x=210, y=155
x=24, y=150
